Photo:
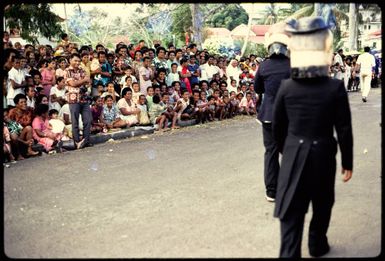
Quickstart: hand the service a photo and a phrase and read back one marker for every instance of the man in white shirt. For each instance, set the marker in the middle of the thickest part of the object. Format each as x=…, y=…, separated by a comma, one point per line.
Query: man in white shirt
x=16, y=81
x=210, y=69
x=338, y=63
x=365, y=62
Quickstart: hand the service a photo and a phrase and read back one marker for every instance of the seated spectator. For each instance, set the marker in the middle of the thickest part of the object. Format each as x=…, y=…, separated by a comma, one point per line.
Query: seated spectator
x=57, y=125
x=20, y=120
x=143, y=116
x=203, y=105
x=234, y=104
x=136, y=92
x=227, y=107
x=170, y=112
x=127, y=108
x=97, y=124
x=65, y=116
x=219, y=105
x=111, y=91
x=111, y=115
x=246, y=106
x=7, y=148
x=156, y=114
x=182, y=106
x=160, y=77
x=197, y=112
x=41, y=129
x=58, y=95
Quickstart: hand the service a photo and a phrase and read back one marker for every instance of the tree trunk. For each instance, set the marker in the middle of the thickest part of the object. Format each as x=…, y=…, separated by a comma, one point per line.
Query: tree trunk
x=317, y=9
x=352, y=27
x=196, y=15
x=247, y=35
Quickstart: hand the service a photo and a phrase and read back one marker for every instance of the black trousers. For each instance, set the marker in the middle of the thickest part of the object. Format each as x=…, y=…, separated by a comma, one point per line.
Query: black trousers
x=320, y=191
x=271, y=167
x=85, y=110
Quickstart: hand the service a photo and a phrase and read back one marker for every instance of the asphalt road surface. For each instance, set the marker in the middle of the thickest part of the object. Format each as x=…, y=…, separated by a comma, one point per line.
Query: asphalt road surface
x=193, y=192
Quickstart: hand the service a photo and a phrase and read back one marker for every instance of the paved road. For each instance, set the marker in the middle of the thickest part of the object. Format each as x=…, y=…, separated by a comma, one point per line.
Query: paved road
x=196, y=192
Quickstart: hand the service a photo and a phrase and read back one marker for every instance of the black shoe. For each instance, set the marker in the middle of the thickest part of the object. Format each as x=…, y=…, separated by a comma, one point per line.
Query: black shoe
x=317, y=252
x=364, y=99
x=270, y=196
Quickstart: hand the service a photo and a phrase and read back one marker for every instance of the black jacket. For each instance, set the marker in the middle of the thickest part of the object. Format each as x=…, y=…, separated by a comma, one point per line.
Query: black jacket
x=267, y=80
x=306, y=112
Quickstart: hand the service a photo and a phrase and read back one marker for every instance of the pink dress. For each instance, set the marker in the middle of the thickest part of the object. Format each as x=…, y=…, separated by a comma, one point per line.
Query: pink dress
x=46, y=79
x=39, y=124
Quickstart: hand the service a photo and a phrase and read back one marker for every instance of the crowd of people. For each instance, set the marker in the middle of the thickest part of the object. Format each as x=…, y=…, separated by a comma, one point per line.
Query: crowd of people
x=68, y=92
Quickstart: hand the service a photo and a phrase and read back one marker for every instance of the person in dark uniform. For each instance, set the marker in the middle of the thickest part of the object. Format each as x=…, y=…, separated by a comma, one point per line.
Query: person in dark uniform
x=267, y=81
x=308, y=107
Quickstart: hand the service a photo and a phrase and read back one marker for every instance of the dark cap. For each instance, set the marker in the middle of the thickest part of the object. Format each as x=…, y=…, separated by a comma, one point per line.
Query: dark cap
x=306, y=25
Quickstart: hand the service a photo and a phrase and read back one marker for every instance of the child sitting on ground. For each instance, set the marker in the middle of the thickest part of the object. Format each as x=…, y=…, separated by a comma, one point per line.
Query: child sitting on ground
x=169, y=113
x=246, y=106
x=143, y=116
x=97, y=124
x=136, y=92
x=111, y=115
x=7, y=144
x=156, y=114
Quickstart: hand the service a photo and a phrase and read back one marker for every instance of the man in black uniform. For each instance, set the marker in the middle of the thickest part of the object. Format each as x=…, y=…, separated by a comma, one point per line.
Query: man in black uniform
x=307, y=108
x=267, y=81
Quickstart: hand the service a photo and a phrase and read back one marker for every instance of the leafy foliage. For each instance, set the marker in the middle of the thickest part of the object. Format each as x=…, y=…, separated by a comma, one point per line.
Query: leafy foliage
x=230, y=17
x=33, y=19
x=181, y=21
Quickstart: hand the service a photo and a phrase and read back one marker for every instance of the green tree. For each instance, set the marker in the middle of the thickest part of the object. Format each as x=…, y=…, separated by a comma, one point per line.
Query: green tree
x=230, y=17
x=181, y=21
x=33, y=20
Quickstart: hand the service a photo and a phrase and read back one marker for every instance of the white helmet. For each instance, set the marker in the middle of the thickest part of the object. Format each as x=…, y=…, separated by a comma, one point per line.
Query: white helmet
x=276, y=34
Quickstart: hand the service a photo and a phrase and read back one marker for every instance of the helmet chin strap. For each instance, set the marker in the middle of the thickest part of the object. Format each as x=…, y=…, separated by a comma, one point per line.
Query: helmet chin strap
x=278, y=49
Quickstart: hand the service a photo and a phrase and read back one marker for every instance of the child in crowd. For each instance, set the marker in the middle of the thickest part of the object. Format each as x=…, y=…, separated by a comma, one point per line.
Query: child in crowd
x=227, y=107
x=234, y=104
x=127, y=84
x=7, y=148
x=219, y=105
x=110, y=91
x=57, y=94
x=211, y=107
x=177, y=91
x=111, y=115
x=246, y=106
x=136, y=92
x=56, y=125
x=60, y=72
x=97, y=124
x=150, y=94
x=157, y=114
x=143, y=116
x=183, y=107
x=127, y=74
x=203, y=104
x=169, y=113
x=173, y=75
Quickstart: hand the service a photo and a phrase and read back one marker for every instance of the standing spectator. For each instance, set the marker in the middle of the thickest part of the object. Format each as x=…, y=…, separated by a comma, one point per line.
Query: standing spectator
x=184, y=75
x=48, y=77
x=146, y=75
x=347, y=74
x=173, y=75
x=338, y=64
x=76, y=80
x=137, y=63
x=60, y=72
x=233, y=72
x=210, y=69
x=365, y=63
x=16, y=82
x=102, y=74
x=193, y=67
x=160, y=61
x=171, y=59
x=160, y=78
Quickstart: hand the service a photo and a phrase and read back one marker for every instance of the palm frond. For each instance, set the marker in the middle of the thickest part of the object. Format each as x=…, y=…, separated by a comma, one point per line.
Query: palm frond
x=303, y=12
